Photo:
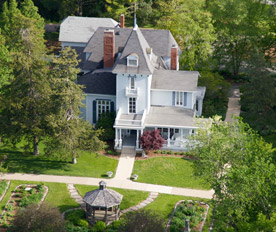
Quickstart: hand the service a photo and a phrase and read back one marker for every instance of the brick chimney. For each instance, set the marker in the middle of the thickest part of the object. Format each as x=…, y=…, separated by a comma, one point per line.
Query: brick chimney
x=109, y=48
x=174, y=58
x=122, y=21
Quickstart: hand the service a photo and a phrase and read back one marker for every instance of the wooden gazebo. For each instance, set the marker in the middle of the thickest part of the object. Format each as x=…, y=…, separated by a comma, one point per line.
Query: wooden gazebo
x=102, y=204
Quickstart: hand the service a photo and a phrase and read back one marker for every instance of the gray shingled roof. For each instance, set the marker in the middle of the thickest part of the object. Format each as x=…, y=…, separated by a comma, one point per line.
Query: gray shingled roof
x=135, y=43
x=159, y=40
x=98, y=83
x=175, y=80
x=170, y=116
x=80, y=29
x=81, y=55
x=103, y=197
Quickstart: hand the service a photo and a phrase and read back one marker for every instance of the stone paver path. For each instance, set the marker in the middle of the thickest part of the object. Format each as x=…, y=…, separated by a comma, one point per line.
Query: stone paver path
x=152, y=196
x=75, y=195
x=234, y=107
x=125, y=165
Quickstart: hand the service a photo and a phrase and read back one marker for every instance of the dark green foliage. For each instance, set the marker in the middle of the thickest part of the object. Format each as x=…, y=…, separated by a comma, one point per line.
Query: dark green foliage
x=34, y=218
x=187, y=210
x=71, y=228
x=76, y=217
x=258, y=100
x=106, y=123
x=216, y=96
x=142, y=220
x=99, y=227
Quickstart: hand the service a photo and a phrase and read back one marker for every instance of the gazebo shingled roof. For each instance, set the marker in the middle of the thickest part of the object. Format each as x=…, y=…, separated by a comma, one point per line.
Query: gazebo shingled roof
x=103, y=197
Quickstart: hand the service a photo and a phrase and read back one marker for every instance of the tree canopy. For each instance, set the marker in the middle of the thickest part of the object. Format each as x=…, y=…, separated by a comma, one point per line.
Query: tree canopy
x=239, y=166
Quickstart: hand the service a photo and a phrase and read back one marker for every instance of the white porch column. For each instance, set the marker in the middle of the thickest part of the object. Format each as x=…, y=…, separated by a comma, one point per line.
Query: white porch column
x=181, y=137
x=169, y=140
x=116, y=138
x=137, y=139
x=142, y=131
x=120, y=138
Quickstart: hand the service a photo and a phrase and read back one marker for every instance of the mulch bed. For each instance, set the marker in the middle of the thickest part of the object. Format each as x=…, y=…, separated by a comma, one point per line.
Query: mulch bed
x=152, y=154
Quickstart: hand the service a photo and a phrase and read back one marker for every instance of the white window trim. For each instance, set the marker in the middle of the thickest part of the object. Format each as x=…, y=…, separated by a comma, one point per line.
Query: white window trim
x=107, y=103
x=135, y=105
x=134, y=82
x=179, y=98
x=133, y=58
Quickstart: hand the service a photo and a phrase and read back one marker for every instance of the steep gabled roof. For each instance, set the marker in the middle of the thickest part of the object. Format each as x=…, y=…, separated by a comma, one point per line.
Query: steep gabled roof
x=160, y=41
x=135, y=43
x=80, y=29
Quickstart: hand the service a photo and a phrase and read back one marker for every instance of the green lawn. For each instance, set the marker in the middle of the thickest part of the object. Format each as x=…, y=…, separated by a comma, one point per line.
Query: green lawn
x=88, y=164
x=164, y=205
x=168, y=171
x=58, y=195
x=131, y=197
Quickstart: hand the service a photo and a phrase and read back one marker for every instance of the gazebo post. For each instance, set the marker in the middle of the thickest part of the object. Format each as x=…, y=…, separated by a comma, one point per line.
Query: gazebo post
x=116, y=213
x=93, y=217
x=105, y=216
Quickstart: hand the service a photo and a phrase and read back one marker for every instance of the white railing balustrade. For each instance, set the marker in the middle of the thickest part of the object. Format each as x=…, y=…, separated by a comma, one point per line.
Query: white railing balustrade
x=131, y=92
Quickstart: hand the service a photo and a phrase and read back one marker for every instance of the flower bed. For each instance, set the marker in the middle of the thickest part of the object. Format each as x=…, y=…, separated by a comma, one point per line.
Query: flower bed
x=195, y=212
x=22, y=196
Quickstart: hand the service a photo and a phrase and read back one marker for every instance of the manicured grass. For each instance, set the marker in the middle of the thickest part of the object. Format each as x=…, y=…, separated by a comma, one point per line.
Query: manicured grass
x=131, y=197
x=88, y=164
x=58, y=195
x=168, y=171
x=164, y=205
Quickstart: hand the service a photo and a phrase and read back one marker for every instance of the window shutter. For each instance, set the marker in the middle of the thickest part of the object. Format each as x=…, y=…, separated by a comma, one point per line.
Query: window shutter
x=185, y=98
x=94, y=111
x=112, y=106
x=173, y=98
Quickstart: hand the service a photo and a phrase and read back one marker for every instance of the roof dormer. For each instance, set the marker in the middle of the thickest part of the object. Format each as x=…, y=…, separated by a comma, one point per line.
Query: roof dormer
x=133, y=60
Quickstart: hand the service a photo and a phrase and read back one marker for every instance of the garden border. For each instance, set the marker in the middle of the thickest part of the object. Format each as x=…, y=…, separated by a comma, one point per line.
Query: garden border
x=46, y=189
x=181, y=201
x=4, y=193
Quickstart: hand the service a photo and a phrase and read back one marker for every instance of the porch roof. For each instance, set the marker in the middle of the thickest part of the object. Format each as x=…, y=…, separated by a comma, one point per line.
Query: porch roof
x=171, y=117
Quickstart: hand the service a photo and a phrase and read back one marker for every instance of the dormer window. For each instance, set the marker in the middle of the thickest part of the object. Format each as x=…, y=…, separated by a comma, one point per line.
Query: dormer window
x=132, y=60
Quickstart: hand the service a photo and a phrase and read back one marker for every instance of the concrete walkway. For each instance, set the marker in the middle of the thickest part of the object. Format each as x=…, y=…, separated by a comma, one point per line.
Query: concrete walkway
x=126, y=162
x=116, y=183
x=234, y=107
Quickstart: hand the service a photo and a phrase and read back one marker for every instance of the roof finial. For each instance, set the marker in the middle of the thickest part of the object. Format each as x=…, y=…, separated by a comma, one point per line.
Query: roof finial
x=134, y=16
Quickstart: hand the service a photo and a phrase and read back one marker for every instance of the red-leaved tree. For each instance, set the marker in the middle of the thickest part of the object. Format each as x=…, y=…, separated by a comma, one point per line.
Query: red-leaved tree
x=151, y=140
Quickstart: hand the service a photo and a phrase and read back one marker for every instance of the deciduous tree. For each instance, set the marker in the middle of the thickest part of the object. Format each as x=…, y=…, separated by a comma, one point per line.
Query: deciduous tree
x=239, y=166
x=151, y=140
x=191, y=26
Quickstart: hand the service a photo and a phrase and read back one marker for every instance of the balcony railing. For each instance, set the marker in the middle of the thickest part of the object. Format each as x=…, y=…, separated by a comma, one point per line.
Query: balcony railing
x=131, y=92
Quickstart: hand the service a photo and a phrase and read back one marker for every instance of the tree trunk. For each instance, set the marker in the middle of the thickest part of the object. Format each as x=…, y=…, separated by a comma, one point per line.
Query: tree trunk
x=74, y=160
x=35, y=146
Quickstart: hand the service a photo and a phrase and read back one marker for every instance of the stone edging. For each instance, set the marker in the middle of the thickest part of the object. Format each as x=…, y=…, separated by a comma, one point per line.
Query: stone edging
x=181, y=201
x=152, y=196
x=4, y=193
x=27, y=185
x=68, y=210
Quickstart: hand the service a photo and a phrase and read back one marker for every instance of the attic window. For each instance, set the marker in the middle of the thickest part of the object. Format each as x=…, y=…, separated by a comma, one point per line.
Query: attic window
x=132, y=60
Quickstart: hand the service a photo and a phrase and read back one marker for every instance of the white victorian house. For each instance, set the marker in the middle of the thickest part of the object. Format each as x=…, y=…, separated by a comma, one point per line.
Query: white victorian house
x=134, y=72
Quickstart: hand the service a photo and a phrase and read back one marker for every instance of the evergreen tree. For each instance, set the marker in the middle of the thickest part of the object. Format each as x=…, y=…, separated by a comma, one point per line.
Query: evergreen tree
x=69, y=132
x=29, y=10
x=24, y=103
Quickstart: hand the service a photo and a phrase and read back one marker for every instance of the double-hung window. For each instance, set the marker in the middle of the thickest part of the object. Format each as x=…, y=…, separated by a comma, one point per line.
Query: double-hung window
x=132, y=105
x=180, y=98
x=104, y=106
x=132, y=82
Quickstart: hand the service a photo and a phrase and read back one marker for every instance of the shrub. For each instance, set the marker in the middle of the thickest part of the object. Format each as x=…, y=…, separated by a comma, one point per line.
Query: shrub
x=83, y=223
x=71, y=228
x=106, y=123
x=99, y=226
x=109, y=152
x=151, y=140
x=9, y=207
x=170, y=152
x=75, y=216
x=164, y=152
x=158, y=152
